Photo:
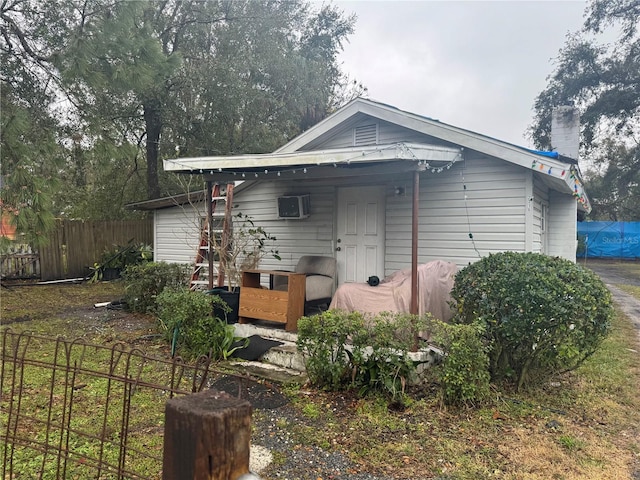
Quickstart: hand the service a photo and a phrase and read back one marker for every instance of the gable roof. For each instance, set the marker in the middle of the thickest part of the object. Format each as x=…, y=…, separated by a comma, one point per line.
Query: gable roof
x=560, y=172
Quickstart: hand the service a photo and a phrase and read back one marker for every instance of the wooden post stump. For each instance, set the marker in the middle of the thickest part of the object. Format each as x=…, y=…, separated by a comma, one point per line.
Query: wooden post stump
x=206, y=437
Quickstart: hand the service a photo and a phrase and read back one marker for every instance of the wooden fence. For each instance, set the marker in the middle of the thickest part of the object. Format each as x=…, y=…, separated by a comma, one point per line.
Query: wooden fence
x=75, y=245
x=20, y=261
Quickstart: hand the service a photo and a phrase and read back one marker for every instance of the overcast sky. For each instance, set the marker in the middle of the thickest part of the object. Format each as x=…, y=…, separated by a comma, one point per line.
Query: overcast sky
x=475, y=64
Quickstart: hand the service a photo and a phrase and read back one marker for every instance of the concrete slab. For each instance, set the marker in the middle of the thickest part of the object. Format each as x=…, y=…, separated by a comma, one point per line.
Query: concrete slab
x=268, y=371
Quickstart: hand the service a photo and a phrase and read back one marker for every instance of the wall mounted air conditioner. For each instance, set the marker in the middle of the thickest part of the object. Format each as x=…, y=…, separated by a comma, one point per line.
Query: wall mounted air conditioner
x=293, y=207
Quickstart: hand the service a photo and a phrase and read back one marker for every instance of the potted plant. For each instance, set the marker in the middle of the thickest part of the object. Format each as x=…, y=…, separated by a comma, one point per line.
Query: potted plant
x=245, y=247
x=114, y=260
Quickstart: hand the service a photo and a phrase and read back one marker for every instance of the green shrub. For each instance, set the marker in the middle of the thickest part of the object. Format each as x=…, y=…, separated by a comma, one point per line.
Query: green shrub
x=464, y=371
x=144, y=282
x=380, y=358
x=119, y=257
x=541, y=315
x=187, y=322
x=322, y=339
x=345, y=350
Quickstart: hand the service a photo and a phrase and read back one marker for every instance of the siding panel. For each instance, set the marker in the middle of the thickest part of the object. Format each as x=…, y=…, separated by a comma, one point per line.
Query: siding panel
x=482, y=196
x=562, y=234
x=177, y=233
x=388, y=133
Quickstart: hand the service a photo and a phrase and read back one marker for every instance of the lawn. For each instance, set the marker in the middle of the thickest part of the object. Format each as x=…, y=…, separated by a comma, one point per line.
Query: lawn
x=582, y=425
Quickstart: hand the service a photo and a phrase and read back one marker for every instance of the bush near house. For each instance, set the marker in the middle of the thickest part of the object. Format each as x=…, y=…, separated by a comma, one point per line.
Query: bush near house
x=187, y=322
x=144, y=282
x=463, y=374
x=186, y=318
x=348, y=351
x=540, y=315
x=345, y=350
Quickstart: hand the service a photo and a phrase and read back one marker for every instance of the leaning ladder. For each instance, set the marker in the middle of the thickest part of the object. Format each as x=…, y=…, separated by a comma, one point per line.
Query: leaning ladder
x=204, y=271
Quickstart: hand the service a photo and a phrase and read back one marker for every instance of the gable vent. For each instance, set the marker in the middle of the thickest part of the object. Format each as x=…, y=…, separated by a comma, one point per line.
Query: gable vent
x=365, y=135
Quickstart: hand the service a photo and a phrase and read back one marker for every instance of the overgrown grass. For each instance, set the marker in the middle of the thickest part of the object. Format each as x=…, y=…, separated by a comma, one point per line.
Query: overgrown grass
x=581, y=425
x=68, y=311
x=631, y=290
x=97, y=407
x=629, y=267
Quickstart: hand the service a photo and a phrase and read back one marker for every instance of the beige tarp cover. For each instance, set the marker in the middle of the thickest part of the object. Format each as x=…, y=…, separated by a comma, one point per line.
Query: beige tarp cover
x=393, y=294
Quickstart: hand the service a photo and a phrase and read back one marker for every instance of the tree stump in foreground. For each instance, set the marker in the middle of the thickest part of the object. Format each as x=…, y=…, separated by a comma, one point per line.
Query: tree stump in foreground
x=206, y=437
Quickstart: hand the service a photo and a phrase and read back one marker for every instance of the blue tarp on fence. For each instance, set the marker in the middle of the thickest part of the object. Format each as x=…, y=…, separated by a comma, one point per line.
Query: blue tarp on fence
x=610, y=239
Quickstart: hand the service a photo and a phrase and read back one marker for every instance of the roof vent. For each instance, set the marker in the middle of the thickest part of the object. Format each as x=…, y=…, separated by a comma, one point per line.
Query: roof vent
x=365, y=135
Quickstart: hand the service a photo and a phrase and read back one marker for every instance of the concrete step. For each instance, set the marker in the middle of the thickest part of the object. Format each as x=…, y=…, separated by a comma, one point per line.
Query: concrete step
x=284, y=356
x=287, y=357
x=274, y=373
x=274, y=333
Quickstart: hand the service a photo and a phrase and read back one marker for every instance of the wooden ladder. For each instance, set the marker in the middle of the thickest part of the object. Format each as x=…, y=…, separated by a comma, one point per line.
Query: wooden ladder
x=201, y=276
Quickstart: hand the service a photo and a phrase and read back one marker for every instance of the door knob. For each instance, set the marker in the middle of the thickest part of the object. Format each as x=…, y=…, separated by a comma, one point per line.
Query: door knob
x=338, y=249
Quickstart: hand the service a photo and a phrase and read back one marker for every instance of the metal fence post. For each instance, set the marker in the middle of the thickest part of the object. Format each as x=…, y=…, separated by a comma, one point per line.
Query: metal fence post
x=206, y=437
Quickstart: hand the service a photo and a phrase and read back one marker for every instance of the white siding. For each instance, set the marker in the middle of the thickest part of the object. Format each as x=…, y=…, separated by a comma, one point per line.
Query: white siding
x=177, y=233
x=562, y=231
x=294, y=238
x=493, y=212
x=496, y=211
x=388, y=133
x=538, y=205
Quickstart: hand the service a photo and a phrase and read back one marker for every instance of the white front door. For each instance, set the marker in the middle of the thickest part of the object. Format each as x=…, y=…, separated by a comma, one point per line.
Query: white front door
x=361, y=226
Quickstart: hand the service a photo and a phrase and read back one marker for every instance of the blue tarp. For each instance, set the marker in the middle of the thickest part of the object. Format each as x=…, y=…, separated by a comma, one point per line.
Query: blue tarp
x=545, y=154
x=610, y=239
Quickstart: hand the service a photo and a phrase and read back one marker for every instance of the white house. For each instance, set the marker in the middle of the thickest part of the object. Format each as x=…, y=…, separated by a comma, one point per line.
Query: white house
x=383, y=183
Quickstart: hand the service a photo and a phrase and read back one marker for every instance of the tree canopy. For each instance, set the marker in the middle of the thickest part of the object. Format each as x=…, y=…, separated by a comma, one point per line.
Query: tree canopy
x=603, y=81
x=104, y=89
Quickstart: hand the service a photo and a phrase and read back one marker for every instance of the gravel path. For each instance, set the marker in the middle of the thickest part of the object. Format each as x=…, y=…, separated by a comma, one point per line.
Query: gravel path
x=298, y=461
x=291, y=461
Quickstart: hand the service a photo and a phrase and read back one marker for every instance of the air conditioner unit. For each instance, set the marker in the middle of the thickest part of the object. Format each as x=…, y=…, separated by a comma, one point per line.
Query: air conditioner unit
x=293, y=207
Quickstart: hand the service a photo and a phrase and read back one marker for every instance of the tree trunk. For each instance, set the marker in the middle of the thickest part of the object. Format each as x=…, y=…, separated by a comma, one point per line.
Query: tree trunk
x=153, y=124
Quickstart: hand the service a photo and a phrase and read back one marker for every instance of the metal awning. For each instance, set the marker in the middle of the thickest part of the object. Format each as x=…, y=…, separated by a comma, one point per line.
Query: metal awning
x=317, y=163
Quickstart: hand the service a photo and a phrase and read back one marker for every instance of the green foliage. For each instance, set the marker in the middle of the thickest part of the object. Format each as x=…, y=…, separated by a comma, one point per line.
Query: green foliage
x=322, y=340
x=603, y=82
x=541, y=315
x=248, y=245
x=30, y=157
x=187, y=321
x=380, y=357
x=464, y=371
x=139, y=78
x=614, y=182
x=347, y=350
x=144, y=282
x=119, y=257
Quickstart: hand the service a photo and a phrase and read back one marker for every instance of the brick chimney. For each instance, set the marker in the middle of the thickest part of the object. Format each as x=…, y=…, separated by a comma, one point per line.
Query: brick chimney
x=565, y=131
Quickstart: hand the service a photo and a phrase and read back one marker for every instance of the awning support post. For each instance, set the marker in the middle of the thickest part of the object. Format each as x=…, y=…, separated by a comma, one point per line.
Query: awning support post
x=414, y=251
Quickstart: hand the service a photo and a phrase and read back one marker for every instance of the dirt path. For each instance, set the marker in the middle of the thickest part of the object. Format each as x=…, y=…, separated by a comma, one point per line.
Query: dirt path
x=628, y=304
x=611, y=276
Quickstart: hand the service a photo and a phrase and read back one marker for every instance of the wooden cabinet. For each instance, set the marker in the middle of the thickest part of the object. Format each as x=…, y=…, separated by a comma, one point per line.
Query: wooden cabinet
x=281, y=306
